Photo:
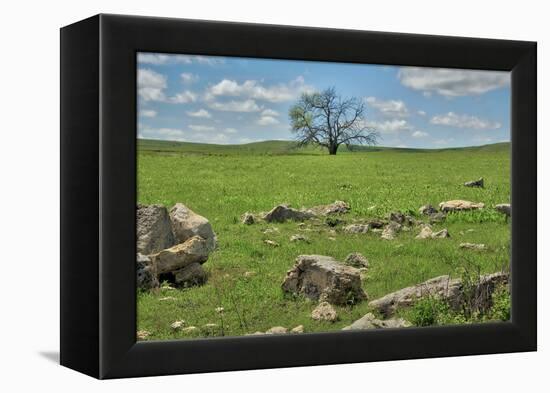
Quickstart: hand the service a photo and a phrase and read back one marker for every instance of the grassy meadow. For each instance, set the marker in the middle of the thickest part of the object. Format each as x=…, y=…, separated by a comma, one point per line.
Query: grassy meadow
x=245, y=274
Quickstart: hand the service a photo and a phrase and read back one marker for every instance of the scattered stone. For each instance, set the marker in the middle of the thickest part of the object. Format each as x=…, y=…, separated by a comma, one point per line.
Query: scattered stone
x=473, y=246
x=363, y=273
x=146, y=273
x=269, y=231
x=376, y=223
x=333, y=239
x=142, y=334
x=441, y=234
x=298, y=329
x=324, y=312
x=323, y=278
x=425, y=233
x=187, y=224
x=333, y=221
x=299, y=238
x=390, y=231
x=247, y=219
x=357, y=228
x=475, y=183
x=255, y=334
x=167, y=298
x=436, y=218
x=277, y=330
x=459, y=205
x=504, y=208
x=356, y=260
x=220, y=310
x=444, y=287
x=282, y=213
x=369, y=321
x=177, y=325
x=271, y=243
x=154, y=230
x=190, y=329
x=190, y=275
x=249, y=274
x=427, y=210
x=211, y=326
x=397, y=217
x=338, y=207
x=193, y=250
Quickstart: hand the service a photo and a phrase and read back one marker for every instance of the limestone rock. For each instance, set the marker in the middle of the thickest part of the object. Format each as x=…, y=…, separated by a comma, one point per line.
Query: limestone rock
x=356, y=260
x=369, y=321
x=391, y=230
x=190, y=275
x=248, y=218
x=338, y=207
x=154, y=230
x=437, y=217
x=142, y=334
x=187, y=224
x=298, y=329
x=475, y=183
x=324, y=312
x=427, y=210
x=271, y=243
x=282, y=213
x=193, y=250
x=441, y=234
x=299, y=238
x=459, y=205
x=323, y=278
x=473, y=246
x=177, y=325
x=277, y=330
x=425, y=233
x=146, y=273
x=357, y=228
x=504, y=208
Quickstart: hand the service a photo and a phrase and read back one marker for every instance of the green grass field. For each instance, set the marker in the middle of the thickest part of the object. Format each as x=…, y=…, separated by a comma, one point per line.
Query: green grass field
x=223, y=182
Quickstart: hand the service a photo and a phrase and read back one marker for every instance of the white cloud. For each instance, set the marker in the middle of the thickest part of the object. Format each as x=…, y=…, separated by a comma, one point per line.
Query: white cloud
x=235, y=106
x=419, y=134
x=187, y=77
x=172, y=134
x=267, y=120
x=389, y=126
x=451, y=82
x=183, y=97
x=270, y=112
x=147, y=113
x=151, y=85
x=389, y=107
x=230, y=130
x=452, y=119
x=201, y=128
x=203, y=113
x=421, y=113
x=163, y=59
x=253, y=89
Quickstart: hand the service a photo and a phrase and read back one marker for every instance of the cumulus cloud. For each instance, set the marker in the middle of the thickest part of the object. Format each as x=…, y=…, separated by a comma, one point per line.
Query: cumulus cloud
x=230, y=130
x=267, y=120
x=235, y=106
x=270, y=112
x=147, y=113
x=253, y=89
x=396, y=108
x=163, y=59
x=183, y=97
x=187, y=77
x=421, y=113
x=152, y=85
x=201, y=128
x=390, y=126
x=451, y=82
x=419, y=134
x=203, y=113
x=452, y=119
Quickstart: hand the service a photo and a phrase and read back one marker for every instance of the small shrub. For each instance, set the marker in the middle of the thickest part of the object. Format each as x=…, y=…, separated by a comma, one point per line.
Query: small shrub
x=500, y=311
x=428, y=311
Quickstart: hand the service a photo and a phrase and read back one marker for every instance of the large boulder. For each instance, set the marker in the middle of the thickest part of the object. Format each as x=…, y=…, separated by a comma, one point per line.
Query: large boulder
x=186, y=224
x=154, y=230
x=444, y=287
x=369, y=321
x=459, y=205
x=146, y=273
x=323, y=278
x=282, y=213
x=193, y=250
x=190, y=275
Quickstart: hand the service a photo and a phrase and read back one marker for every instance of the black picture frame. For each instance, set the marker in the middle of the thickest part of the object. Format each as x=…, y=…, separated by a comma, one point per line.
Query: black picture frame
x=98, y=195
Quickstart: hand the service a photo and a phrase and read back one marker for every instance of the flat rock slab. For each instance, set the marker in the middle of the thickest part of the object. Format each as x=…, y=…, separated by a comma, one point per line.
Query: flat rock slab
x=154, y=229
x=444, y=287
x=323, y=278
x=369, y=321
x=338, y=207
x=282, y=213
x=460, y=205
x=357, y=228
x=193, y=250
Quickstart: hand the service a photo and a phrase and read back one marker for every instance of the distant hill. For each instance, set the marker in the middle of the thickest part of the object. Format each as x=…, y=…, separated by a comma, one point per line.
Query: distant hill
x=285, y=147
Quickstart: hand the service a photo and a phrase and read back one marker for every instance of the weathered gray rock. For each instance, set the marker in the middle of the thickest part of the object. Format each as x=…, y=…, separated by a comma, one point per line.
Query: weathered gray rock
x=473, y=246
x=425, y=233
x=248, y=218
x=323, y=278
x=376, y=223
x=324, y=312
x=356, y=228
x=475, y=183
x=391, y=230
x=277, y=330
x=193, y=250
x=186, y=224
x=401, y=218
x=146, y=273
x=271, y=243
x=427, y=210
x=369, y=321
x=356, y=260
x=444, y=233
x=299, y=238
x=154, y=230
x=460, y=205
x=298, y=329
x=504, y=208
x=282, y=213
x=437, y=217
x=444, y=287
x=338, y=207
x=190, y=275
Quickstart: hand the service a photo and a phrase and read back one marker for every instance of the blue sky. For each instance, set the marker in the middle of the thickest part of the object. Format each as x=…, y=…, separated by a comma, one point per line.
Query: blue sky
x=227, y=100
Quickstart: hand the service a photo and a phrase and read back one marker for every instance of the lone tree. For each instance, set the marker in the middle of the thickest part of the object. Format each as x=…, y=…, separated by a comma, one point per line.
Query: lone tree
x=328, y=120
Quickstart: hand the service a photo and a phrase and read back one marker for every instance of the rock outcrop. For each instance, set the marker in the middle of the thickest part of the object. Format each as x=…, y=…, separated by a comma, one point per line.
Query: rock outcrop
x=369, y=321
x=460, y=205
x=154, y=230
x=187, y=224
x=282, y=213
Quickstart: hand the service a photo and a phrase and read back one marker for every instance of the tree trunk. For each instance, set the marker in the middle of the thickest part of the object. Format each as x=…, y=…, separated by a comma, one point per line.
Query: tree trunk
x=332, y=149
